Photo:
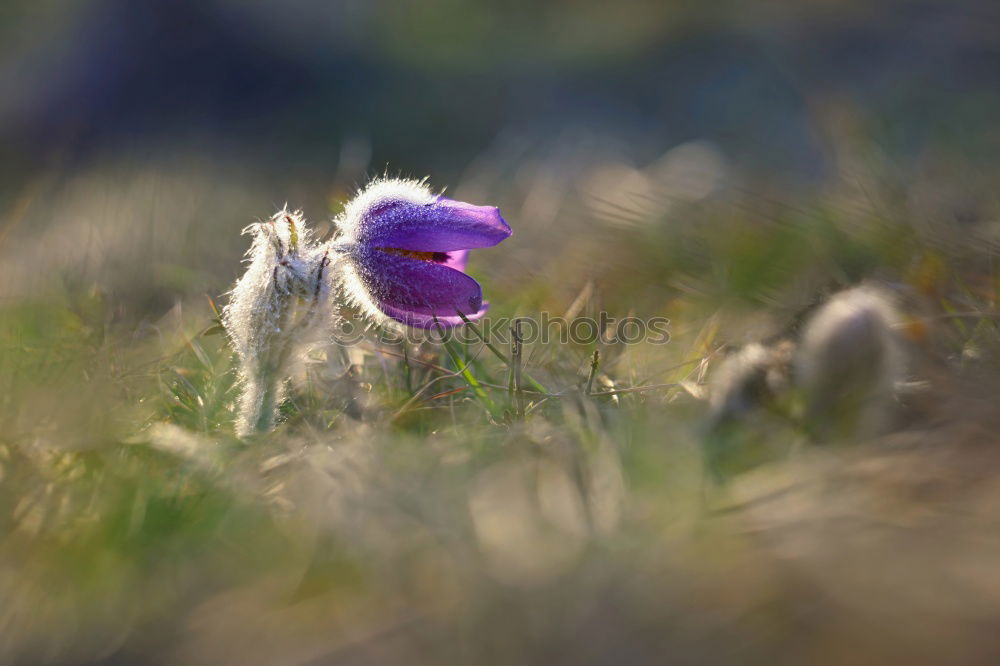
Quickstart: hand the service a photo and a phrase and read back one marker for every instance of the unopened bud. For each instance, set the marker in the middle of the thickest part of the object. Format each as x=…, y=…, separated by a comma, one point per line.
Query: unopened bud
x=848, y=363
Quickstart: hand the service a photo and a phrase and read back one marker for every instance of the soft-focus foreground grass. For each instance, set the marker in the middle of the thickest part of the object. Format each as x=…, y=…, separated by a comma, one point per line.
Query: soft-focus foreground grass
x=392, y=520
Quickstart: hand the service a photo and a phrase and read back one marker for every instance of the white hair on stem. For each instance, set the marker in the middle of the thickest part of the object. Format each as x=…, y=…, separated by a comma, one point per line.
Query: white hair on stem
x=273, y=311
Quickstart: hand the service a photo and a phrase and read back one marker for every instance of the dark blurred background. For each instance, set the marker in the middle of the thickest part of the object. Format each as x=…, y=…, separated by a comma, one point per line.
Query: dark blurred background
x=425, y=87
x=138, y=138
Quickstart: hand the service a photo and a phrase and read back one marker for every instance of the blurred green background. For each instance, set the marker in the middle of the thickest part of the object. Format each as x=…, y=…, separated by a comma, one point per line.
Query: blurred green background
x=723, y=164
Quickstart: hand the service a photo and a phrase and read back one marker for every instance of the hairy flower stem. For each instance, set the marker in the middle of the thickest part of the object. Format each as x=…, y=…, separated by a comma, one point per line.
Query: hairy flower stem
x=594, y=363
x=267, y=317
x=516, y=387
x=264, y=380
x=274, y=371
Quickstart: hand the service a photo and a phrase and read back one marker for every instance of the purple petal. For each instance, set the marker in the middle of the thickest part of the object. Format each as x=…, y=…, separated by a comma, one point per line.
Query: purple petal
x=441, y=226
x=457, y=260
x=416, y=285
x=419, y=320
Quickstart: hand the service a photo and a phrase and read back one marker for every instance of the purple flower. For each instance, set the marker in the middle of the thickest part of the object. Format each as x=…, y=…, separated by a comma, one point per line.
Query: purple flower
x=404, y=251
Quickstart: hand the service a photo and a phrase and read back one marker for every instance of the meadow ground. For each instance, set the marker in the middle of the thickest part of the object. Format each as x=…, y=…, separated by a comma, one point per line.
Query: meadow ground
x=405, y=511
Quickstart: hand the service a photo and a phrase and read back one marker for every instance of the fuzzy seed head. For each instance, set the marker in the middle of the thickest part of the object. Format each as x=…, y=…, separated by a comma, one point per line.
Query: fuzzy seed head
x=749, y=378
x=849, y=362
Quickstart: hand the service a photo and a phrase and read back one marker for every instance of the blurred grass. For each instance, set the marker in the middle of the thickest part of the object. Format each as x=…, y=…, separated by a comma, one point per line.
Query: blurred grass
x=377, y=525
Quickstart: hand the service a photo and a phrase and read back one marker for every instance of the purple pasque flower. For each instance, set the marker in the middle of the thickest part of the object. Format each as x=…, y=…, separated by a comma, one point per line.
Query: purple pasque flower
x=403, y=254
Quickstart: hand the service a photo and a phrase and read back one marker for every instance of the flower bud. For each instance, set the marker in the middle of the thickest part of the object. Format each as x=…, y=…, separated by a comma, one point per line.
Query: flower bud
x=848, y=364
x=272, y=310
